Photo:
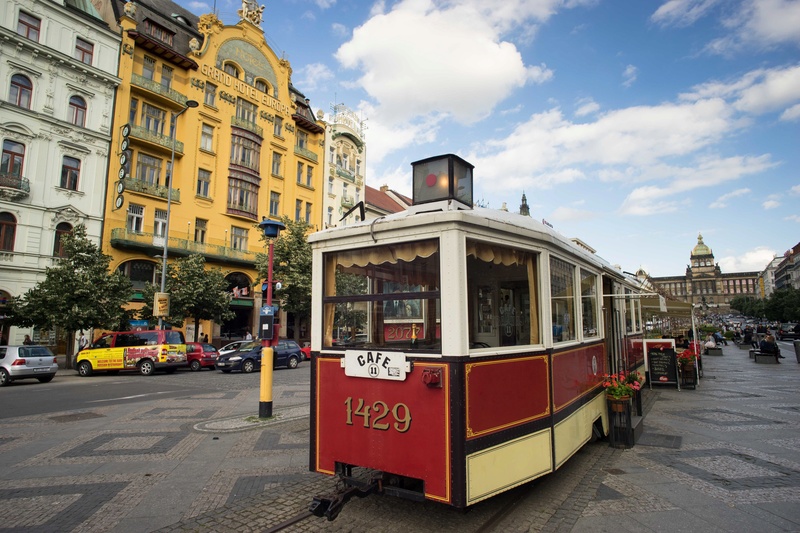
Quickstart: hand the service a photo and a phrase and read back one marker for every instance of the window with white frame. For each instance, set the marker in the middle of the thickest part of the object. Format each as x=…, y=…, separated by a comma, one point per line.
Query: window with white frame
x=135, y=218
x=274, y=204
x=276, y=164
x=210, y=94
x=20, y=92
x=238, y=238
x=302, y=140
x=148, y=68
x=160, y=223
x=308, y=213
x=298, y=209
x=562, y=299
x=309, y=175
x=203, y=182
x=153, y=118
x=300, y=172
x=589, y=304
x=207, y=138
x=200, y=228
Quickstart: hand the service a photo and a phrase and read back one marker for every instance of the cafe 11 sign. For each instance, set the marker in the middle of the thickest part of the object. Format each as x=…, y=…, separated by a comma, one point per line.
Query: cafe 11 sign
x=375, y=364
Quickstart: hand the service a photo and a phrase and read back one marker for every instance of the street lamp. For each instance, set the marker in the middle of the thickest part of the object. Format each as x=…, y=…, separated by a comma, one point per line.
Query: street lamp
x=271, y=229
x=188, y=104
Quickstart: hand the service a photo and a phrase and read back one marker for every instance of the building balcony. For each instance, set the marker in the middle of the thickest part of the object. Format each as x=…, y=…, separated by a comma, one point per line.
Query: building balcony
x=137, y=80
x=346, y=174
x=213, y=250
x=252, y=127
x=239, y=210
x=136, y=185
x=347, y=201
x=156, y=139
x=14, y=186
x=305, y=152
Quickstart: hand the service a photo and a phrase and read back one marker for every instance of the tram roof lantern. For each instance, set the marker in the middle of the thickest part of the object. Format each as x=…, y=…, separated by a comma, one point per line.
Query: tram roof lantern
x=271, y=228
x=443, y=177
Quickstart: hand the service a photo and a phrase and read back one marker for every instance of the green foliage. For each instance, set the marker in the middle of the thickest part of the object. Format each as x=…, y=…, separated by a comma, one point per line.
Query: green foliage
x=347, y=316
x=78, y=293
x=783, y=306
x=291, y=265
x=195, y=292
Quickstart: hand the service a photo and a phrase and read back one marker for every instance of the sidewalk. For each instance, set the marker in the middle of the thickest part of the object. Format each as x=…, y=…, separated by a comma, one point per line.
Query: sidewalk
x=723, y=458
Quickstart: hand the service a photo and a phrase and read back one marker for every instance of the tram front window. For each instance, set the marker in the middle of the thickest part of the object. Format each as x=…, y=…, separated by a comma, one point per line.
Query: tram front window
x=502, y=300
x=383, y=297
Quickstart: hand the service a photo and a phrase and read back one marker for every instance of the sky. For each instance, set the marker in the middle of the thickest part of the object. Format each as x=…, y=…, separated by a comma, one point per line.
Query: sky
x=632, y=125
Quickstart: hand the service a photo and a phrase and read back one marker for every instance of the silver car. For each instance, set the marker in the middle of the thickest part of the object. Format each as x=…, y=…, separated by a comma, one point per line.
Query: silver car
x=25, y=362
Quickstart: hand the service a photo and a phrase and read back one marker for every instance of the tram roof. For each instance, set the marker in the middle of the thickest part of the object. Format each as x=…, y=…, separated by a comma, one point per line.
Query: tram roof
x=495, y=220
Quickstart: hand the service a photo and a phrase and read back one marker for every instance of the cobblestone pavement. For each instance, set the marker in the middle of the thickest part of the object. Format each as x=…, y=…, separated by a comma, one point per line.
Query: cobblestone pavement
x=721, y=458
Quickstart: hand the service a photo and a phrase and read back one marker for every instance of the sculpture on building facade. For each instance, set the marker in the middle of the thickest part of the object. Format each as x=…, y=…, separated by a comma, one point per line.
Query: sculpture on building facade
x=251, y=12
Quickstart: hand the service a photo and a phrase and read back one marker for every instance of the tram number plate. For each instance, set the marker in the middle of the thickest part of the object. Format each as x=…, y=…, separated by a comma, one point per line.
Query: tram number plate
x=376, y=364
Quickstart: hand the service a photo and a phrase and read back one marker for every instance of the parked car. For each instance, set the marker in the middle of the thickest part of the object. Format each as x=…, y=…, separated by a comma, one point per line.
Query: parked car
x=248, y=357
x=306, y=352
x=145, y=351
x=26, y=362
x=201, y=355
x=788, y=331
x=232, y=347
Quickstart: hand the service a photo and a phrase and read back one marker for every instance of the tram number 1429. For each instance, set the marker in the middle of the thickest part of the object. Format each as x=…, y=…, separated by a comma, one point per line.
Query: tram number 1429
x=375, y=415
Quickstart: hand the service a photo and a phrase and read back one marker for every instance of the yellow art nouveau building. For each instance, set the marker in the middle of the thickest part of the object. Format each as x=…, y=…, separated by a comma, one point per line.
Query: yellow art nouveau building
x=246, y=146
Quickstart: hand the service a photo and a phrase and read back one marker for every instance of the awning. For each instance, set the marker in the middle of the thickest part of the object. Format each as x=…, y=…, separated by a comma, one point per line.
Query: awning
x=658, y=305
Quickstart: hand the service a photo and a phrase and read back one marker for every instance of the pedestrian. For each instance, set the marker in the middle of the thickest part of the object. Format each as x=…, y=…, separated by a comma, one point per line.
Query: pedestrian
x=769, y=346
x=248, y=336
x=27, y=340
x=205, y=337
x=82, y=342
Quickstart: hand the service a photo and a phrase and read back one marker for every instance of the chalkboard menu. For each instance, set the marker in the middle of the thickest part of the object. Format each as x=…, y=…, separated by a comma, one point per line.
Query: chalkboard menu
x=662, y=365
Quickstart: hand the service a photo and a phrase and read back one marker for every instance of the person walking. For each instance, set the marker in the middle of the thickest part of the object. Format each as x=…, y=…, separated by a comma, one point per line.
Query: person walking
x=768, y=345
x=82, y=342
x=27, y=340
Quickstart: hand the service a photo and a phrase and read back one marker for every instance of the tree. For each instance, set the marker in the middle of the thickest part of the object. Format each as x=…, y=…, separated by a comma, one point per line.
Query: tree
x=291, y=265
x=194, y=292
x=79, y=293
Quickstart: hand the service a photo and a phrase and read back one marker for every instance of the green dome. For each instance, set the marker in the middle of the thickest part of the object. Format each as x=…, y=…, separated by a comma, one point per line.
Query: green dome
x=701, y=248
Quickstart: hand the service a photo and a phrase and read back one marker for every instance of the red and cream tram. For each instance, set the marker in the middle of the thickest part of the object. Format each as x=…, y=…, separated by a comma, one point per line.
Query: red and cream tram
x=484, y=336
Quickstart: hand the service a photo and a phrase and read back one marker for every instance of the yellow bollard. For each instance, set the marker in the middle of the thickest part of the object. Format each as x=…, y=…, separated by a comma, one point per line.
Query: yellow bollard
x=265, y=398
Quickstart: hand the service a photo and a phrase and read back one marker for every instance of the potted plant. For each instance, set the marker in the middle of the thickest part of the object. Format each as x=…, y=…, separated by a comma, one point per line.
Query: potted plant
x=621, y=386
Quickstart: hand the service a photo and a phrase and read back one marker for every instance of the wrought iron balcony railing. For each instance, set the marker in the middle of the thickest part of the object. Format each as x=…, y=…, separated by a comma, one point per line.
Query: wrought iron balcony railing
x=139, y=132
x=13, y=186
x=137, y=185
x=155, y=87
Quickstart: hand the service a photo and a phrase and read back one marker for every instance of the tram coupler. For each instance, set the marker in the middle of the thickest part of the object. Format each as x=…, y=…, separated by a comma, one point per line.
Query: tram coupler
x=330, y=506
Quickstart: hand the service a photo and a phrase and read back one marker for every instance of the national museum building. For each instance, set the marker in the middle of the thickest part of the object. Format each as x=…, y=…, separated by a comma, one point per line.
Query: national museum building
x=705, y=286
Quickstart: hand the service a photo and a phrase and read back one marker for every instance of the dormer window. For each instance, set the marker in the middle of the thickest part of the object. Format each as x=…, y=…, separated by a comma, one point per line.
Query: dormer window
x=159, y=32
x=231, y=69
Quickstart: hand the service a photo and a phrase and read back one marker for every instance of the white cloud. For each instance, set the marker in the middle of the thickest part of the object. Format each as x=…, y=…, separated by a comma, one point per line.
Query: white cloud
x=751, y=261
x=313, y=76
x=629, y=75
x=682, y=12
x=795, y=189
x=325, y=4
x=340, y=30
x=791, y=114
x=722, y=201
x=410, y=74
x=770, y=204
x=571, y=214
x=586, y=106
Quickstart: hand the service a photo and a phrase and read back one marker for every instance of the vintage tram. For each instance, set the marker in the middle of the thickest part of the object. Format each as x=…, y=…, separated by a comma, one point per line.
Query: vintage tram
x=459, y=351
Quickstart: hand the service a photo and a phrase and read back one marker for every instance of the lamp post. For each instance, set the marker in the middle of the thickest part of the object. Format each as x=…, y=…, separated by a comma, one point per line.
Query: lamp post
x=189, y=104
x=267, y=330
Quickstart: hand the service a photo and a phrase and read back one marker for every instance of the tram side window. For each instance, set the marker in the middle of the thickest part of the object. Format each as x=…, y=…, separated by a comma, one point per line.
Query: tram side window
x=589, y=304
x=383, y=297
x=502, y=305
x=562, y=299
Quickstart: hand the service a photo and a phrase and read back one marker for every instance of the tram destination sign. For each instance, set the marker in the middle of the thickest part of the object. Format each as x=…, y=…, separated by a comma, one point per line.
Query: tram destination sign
x=375, y=364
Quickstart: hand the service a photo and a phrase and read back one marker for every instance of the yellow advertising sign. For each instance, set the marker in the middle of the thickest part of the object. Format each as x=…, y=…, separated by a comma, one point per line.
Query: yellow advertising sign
x=161, y=304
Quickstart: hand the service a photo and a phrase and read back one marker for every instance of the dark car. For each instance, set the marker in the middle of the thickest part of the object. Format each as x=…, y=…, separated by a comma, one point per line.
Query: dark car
x=788, y=331
x=248, y=357
x=201, y=355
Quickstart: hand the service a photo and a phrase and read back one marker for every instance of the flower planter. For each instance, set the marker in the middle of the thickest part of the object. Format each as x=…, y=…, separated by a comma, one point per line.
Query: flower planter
x=618, y=405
